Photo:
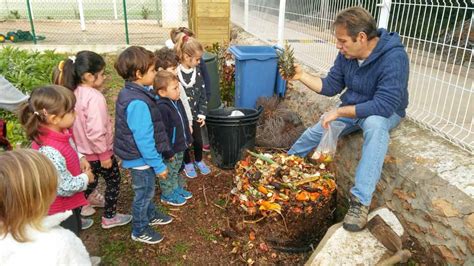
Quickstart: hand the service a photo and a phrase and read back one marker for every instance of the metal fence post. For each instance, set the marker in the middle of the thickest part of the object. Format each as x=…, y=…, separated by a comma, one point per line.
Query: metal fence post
x=281, y=22
x=157, y=6
x=31, y=21
x=246, y=15
x=114, y=2
x=126, y=22
x=384, y=13
x=31, y=10
x=81, y=15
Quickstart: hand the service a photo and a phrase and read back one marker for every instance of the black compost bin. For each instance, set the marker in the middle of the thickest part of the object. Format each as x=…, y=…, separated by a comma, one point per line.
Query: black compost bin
x=230, y=136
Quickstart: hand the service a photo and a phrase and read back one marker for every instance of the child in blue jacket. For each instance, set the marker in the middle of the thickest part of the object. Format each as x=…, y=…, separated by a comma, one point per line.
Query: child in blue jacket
x=166, y=86
x=140, y=139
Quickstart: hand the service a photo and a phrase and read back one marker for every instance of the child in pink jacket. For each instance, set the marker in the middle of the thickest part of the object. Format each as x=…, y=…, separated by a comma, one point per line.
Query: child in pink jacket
x=84, y=74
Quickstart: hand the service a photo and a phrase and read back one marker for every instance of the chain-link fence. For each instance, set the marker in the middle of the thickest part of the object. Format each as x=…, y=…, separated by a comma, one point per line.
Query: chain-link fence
x=438, y=36
x=63, y=22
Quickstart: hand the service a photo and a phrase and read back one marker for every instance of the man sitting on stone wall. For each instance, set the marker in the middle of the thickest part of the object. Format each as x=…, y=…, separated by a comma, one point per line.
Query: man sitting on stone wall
x=373, y=65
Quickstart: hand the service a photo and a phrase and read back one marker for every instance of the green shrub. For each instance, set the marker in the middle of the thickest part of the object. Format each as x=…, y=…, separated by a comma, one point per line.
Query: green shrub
x=145, y=12
x=26, y=70
x=226, y=67
x=14, y=14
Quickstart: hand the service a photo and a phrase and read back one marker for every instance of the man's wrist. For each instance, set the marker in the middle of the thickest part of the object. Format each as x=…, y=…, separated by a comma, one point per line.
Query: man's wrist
x=303, y=76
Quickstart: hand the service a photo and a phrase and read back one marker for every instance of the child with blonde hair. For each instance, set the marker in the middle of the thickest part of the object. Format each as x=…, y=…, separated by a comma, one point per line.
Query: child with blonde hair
x=84, y=75
x=189, y=52
x=28, y=183
x=46, y=118
x=174, y=36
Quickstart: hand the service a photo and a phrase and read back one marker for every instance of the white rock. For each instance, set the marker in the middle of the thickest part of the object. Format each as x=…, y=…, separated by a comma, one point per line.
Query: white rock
x=341, y=247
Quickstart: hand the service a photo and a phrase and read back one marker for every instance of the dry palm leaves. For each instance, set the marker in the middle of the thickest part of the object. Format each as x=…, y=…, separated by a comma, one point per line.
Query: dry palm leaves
x=281, y=183
x=279, y=127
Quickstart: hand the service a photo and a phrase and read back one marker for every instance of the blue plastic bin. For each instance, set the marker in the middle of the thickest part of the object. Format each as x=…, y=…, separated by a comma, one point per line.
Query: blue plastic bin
x=280, y=88
x=255, y=73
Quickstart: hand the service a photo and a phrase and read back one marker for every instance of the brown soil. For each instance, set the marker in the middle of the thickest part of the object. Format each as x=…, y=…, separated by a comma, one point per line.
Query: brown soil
x=209, y=229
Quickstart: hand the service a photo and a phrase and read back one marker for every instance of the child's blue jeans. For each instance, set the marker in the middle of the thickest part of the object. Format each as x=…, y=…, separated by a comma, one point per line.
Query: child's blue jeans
x=376, y=138
x=143, y=206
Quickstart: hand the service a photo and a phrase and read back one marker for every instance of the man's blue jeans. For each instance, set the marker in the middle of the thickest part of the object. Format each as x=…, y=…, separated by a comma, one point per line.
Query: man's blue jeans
x=376, y=138
x=143, y=206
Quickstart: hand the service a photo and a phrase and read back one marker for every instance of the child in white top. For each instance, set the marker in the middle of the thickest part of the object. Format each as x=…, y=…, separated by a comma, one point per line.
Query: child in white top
x=27, y=235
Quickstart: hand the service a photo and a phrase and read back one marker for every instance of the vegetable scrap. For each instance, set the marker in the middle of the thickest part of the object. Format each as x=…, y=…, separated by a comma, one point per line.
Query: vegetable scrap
x=281, y=183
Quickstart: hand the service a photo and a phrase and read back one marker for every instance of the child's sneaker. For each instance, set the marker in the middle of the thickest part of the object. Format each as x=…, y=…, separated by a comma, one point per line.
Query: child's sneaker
x=160, y=219
x=96, y=199
x=86, y=223
x=87, y=210
x=203, y=168
x=118, y=220
x=173, y=199
x=148, y=236
x=184, y=193
x=206, y=148
x=190, y=171
x=95, y=260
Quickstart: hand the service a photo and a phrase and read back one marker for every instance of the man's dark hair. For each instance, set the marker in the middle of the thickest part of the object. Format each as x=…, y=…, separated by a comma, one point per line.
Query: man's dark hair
x=356, y=19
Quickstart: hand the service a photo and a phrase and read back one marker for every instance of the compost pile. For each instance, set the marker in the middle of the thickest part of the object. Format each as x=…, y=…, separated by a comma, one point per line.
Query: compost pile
x=280, y=183
x=291, y=199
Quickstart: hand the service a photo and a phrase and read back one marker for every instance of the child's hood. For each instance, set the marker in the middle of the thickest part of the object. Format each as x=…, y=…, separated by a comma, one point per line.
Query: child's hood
x=51, y=221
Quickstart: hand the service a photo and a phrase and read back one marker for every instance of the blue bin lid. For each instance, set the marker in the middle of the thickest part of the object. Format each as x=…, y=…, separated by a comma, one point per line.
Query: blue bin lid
x=261, y=53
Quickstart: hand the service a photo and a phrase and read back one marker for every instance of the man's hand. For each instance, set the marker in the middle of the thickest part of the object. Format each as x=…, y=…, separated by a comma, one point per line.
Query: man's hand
x=85, y=166
x=312, y=82
x=328, y=117
x=345, y=111
x=298, y=73
x=201, y=121
x=191, y=129
x=163, y=175
x=107, y=164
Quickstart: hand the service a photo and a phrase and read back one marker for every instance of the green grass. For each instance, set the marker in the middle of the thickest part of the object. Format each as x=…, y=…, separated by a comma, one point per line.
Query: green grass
x=180, y=248
x=206, y=235
x=112, y=250
x=220, y=202
x=175, y=255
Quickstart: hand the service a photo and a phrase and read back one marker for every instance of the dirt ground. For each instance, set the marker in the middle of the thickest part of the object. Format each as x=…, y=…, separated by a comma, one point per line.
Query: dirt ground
x=198, y=235
x=209, y=229
x=97, y=32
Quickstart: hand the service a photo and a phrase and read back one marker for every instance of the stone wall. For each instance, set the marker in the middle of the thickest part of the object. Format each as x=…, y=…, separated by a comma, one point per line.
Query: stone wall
x=427, y=183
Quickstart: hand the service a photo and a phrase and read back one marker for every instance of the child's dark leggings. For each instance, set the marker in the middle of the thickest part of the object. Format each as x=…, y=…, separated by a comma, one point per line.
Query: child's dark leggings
x=73, y=222
x=112, y=185
x=197, y=144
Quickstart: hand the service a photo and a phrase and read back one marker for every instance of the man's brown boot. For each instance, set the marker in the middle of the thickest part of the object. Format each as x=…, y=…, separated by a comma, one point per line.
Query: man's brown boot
x=356, y=217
